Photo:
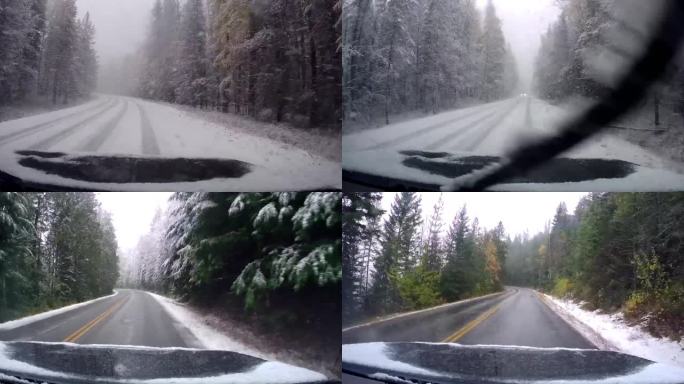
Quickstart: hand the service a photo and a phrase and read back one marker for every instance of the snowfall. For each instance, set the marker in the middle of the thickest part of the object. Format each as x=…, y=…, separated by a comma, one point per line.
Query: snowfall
x=270, y=371
x=115, y=126
x=493, y=130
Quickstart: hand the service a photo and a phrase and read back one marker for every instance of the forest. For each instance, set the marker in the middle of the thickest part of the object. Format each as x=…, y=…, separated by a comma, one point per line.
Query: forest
x=616, y=251
x=269, y=253
x=391, y=264
x=567, y=63
x=55, y=249
x=427, y=56
x=275, y=60
x=46, y=52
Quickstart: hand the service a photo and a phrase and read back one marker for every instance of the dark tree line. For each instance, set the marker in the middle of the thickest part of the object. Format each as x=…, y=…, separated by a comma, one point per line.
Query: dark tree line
x=45, y=51
x=267, y=249
x=429, y=55
x=274, y=60
x=55, y=249
x=390, y=266
x=616, y=251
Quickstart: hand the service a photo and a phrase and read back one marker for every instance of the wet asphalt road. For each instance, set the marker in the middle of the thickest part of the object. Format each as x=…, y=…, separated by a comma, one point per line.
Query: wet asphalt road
x=516, y=317
x=129, y=318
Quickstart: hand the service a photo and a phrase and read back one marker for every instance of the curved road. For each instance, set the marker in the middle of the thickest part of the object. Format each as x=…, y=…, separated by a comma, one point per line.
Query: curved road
x=129, y=318
x=517, y=317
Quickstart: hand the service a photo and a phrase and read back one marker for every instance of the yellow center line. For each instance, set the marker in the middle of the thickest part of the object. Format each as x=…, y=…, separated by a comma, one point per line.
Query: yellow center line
x=84, y=329
x=471, y=325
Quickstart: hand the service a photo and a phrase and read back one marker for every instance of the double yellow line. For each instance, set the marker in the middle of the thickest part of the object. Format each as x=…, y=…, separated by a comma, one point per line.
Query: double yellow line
x=471, y=325
x=84, y=329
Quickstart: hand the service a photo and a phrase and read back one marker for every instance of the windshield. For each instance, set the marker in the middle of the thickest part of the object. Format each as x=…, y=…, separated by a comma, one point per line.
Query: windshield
x=113, y=287
x=92, y=92
x=437, y=90
x=513, y=287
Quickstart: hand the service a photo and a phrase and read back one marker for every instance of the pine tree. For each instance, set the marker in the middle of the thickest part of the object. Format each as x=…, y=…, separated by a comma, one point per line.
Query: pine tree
x=433, y=257
x=192, y=69
x=85, y=59
x=493, y=55
x=59, y=77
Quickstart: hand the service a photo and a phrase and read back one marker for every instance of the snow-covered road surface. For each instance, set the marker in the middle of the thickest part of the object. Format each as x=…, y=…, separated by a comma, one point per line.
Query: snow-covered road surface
x=493, y=130
x=114, y=126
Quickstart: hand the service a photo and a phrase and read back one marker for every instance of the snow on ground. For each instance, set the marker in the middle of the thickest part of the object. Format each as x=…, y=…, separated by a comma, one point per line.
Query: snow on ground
x=7, y=326
x=493, y=130
x=211, y=338
x=116, y=126
x=610, y=331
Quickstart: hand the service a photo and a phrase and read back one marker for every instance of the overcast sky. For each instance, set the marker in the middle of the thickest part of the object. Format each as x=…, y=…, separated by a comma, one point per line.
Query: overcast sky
x=121, y=25
x=518, y=211
x=132, y=214
x=524, y=22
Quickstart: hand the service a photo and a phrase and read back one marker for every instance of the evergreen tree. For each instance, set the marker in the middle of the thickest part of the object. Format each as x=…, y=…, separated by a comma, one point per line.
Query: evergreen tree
x=493, y=55
x=193, y=82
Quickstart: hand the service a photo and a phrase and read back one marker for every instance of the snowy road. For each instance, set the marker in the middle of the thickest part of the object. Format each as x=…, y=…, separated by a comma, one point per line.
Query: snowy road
x=129, y=318
x=422, y=150
x=124, y=127
x=518, y=317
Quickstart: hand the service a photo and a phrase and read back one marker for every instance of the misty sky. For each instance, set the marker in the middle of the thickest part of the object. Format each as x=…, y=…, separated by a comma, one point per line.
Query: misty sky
x=524, y=22
x=121, y=25
x=132, y=213
x=519, y=212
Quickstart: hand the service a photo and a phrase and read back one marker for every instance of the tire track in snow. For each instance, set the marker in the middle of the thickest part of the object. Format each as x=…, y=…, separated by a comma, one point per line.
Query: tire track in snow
x=412, y=135
x=447, y=140
x=149, y=140
x=18, y=135
x=486, y=132
x=65, y=133
x=95, y=142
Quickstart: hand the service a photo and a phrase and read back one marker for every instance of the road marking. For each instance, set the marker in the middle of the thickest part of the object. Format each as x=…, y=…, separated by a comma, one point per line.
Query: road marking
x=84, y=329
x=471, y=325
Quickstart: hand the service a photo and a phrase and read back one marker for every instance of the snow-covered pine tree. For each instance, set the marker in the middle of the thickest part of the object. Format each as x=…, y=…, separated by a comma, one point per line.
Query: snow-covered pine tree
x=59, y=80
x=493, y=55
x=85, y=58
x=192, y=60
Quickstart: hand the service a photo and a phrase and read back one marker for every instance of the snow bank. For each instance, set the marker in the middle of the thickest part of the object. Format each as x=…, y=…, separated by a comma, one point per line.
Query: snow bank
x=210, y=337
x=10, y=325
x=616, y=335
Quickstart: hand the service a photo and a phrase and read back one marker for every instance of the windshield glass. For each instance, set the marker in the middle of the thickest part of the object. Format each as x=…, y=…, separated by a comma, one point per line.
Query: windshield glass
x=120, y=286
x=513, y=286
x=434, y=90
x=89, y=89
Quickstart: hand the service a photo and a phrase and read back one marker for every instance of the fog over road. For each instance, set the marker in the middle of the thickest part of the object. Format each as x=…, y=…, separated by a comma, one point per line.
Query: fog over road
x=129, y=318
x=516, y=317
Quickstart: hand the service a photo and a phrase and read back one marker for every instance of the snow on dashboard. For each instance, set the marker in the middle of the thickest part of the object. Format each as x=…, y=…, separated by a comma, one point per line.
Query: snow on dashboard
x=10, y=325
x=172, y=133
x=376, y=354
x=492, y=130
x=264, y=373
x=620, y=336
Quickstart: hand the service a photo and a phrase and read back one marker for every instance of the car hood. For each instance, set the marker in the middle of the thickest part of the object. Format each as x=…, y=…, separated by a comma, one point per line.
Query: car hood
x=455, y=363
x=388, y=169
x=39, y=171
x=72, y=363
